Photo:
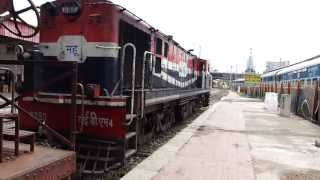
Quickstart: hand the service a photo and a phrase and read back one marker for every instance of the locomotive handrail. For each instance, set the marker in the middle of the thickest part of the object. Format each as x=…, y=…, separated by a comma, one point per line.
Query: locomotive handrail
x=123, y=53
x=82, y=101
x=108, y=47
x=115, y=88
x=143, y=77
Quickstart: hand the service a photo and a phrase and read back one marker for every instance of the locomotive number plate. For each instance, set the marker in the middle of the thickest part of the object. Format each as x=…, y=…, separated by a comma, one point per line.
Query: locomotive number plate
x=72, y=53
x=91, y=119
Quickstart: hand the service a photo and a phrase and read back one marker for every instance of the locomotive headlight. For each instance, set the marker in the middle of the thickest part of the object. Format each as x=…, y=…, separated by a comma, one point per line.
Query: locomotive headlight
x=71, y=8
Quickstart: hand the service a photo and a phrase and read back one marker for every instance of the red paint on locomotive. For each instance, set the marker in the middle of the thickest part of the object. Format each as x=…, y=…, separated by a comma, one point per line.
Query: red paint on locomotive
x=97, y=121
x=97, y=23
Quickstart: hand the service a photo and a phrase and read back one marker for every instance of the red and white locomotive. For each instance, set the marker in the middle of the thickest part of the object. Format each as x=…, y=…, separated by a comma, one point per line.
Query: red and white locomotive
x=134, y=80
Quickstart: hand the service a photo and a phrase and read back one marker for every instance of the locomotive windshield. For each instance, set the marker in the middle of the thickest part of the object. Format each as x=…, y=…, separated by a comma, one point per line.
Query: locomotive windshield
x=40, y=75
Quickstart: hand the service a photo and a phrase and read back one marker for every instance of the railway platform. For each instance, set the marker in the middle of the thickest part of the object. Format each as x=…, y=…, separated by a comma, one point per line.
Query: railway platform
x=43, y=163
x=237, y=139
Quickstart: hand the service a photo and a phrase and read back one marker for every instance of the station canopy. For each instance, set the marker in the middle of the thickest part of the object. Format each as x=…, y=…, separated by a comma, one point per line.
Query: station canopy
x=5, y=34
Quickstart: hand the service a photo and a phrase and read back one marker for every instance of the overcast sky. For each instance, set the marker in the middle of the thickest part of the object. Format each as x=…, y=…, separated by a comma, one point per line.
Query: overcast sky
x=223, y=31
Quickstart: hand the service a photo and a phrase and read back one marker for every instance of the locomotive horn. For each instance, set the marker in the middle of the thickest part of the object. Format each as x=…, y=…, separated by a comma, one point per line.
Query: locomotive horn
x=7, y=6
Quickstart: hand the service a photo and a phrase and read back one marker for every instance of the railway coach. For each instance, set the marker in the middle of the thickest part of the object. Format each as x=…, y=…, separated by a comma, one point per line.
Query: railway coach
x=301, y=81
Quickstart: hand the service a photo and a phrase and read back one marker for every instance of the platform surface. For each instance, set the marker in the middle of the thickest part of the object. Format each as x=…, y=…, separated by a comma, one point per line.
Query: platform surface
x=47, y=161
x=237, y=139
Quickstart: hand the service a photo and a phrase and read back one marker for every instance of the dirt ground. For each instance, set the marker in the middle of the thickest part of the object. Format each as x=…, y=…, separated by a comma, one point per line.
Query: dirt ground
x=302, y=175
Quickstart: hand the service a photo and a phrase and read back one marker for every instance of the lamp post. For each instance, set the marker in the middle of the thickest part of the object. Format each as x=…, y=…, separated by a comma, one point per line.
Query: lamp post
x=230, y=84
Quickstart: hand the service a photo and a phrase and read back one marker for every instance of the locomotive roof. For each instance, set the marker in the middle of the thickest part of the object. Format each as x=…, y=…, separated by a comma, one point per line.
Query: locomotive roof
x=146, y=25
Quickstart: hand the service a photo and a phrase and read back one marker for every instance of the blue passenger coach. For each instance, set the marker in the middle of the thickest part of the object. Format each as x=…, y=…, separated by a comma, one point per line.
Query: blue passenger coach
x=301, y=81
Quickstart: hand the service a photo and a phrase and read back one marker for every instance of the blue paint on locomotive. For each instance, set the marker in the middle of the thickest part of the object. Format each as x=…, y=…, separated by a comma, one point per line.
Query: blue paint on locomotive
x=101, y=71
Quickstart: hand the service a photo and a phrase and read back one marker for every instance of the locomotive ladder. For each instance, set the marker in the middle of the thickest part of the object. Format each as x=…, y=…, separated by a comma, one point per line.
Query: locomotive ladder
x=131, y=137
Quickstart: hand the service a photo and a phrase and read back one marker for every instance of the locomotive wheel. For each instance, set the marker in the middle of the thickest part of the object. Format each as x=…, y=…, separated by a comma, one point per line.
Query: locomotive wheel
x=164, y=123
x=172, y=118
x=157, y=121
x=185, y=112
x=193, y=107
x=169, y=120
x=177, y=114
x=205, y=100
x=147, y=130
x=190, y=109
x=181, y=112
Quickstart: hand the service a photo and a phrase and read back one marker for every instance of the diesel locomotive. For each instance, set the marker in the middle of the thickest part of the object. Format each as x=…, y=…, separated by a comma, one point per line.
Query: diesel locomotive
x=131, y=80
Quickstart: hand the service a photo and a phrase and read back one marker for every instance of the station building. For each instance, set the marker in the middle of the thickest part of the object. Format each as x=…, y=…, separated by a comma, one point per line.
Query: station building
x=8, y=44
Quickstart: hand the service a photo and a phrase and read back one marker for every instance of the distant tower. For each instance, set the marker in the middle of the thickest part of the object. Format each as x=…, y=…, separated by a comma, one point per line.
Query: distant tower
x=250, y=67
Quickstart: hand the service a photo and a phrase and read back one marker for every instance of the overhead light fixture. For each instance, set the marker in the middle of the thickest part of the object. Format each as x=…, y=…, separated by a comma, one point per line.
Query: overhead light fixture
x=71, y=8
